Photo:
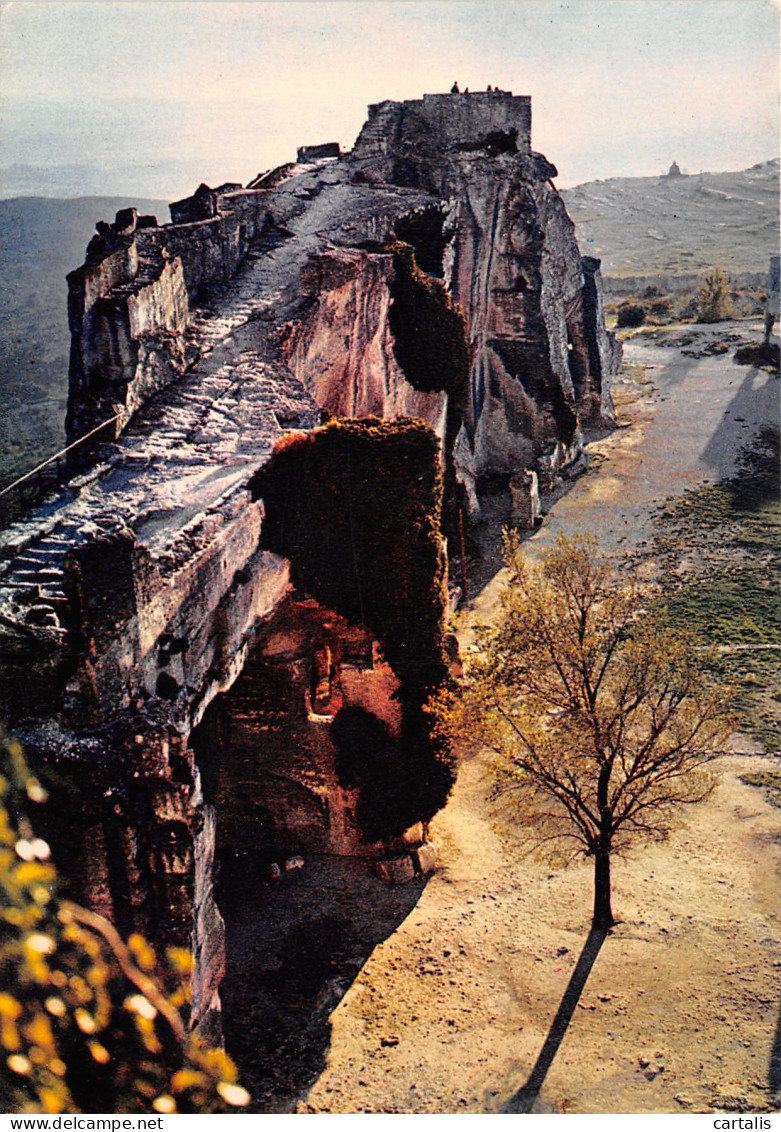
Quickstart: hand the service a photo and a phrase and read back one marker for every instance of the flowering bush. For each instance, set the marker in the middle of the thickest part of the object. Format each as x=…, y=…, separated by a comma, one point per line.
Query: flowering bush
x=88, y=1022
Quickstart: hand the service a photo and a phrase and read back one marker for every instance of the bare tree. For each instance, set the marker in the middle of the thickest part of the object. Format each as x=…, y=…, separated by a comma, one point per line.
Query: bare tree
x=602, y=713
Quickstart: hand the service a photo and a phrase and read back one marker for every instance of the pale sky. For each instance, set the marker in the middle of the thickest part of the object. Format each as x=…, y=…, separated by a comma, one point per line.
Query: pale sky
x=153, y=97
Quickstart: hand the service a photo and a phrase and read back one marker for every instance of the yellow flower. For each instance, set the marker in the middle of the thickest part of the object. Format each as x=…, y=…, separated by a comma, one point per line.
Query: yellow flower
x=51, y=1100
x=233, y=1094
x=187, y=1079
x=9, y=1007
x=41, y=944
x=35, y=792
x=39, y=1031
x=164, y=1103
x=18, y=1063
x=84, y=1020
x=142, y=952
x=24, y=849
x=55, y=1006
x=140, y=1005
x=99, y=1052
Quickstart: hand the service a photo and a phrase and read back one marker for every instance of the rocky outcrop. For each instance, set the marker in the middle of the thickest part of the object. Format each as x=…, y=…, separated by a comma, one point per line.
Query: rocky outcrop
x=127, y=317
x=225, y=630
x=355, y=374
x=421, y=141
x=455, y=177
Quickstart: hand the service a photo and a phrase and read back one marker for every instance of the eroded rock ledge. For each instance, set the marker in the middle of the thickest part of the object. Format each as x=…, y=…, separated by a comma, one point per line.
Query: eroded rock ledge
x=198, y=669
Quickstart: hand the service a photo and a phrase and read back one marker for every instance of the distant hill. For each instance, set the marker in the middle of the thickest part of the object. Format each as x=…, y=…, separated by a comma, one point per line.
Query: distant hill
x=678, y=225
x=65, y=182
x=41, y=240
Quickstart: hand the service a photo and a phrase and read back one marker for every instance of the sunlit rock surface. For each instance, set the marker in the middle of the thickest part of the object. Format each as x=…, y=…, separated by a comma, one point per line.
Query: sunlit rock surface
x=140, y=610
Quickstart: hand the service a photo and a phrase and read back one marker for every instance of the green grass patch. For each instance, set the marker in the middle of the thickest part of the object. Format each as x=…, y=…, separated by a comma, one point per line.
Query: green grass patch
x=719, y=548
x=730, y=607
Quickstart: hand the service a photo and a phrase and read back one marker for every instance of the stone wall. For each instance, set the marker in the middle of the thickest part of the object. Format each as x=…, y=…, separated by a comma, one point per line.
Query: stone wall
x=624, y=286
x=179, y=637
x=212, y=235
x=128, y=304
x=436, y=123
x=306, y=153
x=127, y=312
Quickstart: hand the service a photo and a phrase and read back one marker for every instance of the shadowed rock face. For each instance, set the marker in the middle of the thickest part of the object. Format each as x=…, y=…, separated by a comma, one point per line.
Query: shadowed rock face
x=343, y=349
x=432, y=273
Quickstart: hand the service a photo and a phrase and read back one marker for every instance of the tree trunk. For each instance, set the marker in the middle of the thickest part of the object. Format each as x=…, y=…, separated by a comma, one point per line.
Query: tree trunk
x=603, y=912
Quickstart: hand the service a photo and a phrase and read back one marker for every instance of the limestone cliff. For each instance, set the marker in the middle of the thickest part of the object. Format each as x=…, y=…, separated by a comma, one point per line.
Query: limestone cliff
x=307, y=249
x=219, y=634
x=342, y=350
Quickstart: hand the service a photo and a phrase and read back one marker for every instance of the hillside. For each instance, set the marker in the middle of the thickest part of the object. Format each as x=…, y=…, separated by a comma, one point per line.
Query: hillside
x=41, y=240
x=679, y=225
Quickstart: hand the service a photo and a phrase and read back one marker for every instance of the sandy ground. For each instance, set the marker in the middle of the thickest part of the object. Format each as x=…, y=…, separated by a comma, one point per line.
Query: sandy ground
x=680, y=1011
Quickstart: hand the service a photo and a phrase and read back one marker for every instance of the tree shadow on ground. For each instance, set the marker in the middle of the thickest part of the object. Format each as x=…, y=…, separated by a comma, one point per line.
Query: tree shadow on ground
x=294, y=946
x=527, y=1097
x=774, y=1063
x=752, y=413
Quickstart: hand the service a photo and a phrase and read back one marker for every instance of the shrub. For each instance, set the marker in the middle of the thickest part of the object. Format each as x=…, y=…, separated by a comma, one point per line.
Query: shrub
x=630, y=314
x=356, y=506
x=659, y=311
x=429, y=337
x=713, y=297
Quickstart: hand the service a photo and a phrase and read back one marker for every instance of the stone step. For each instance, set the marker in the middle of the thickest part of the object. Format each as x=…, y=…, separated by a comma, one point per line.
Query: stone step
x=55, y=600
x=23, y=577
x=61, y=542
x=21, y=585
x=38, y=560
x=50, y=575
x=30, y=580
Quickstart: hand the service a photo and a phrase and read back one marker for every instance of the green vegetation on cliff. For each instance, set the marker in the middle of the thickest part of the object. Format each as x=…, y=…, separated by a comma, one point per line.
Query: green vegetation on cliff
x=428, y=331
x=356, y=507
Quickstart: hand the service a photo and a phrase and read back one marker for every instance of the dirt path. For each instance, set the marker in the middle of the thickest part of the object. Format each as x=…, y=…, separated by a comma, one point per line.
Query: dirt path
x=680, y=1011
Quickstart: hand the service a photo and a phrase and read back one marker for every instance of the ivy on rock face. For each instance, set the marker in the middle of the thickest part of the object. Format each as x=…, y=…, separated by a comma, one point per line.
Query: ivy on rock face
x=429, y=333
x=356, y=507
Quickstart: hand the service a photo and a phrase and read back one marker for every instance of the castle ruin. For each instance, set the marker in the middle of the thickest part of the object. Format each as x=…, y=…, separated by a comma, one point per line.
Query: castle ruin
x=223, y=629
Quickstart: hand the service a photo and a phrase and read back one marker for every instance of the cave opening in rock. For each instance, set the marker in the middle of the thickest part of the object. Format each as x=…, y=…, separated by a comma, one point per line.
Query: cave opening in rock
x=423, y=230
x=298, y=761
